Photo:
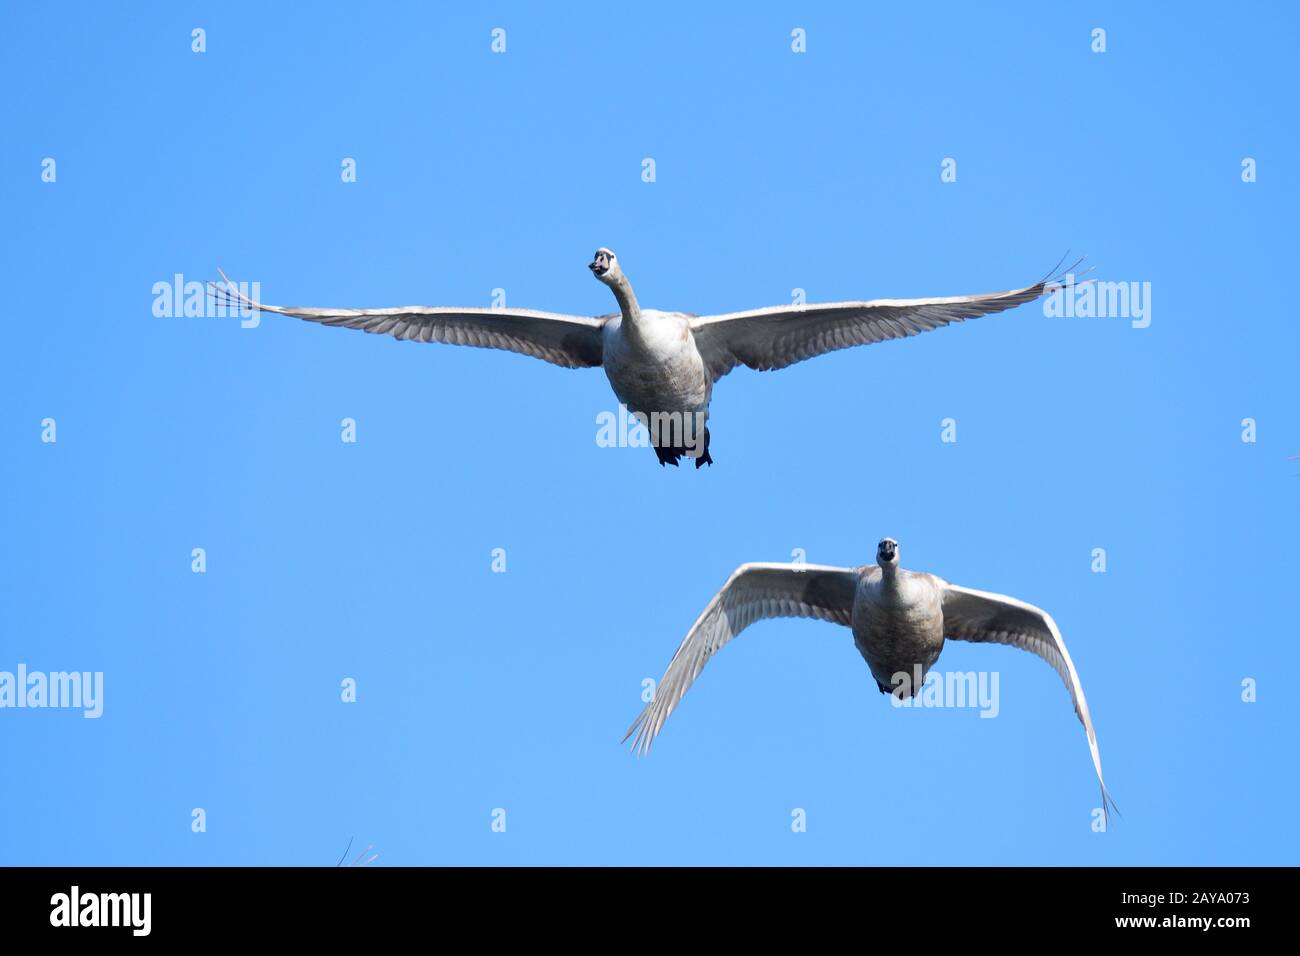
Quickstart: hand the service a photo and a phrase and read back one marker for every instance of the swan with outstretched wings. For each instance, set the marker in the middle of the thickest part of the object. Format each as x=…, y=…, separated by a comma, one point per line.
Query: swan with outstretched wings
x=663, y=365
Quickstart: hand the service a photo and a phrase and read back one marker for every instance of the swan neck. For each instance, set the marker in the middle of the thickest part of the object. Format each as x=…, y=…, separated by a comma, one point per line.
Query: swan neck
x=627, y=303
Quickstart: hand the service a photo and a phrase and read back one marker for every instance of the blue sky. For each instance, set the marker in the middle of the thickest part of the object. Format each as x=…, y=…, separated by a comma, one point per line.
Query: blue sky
x=774, y=171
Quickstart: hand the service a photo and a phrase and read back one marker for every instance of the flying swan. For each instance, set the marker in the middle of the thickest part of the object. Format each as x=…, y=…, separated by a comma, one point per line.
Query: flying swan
x=899, y=620
x=662, y=365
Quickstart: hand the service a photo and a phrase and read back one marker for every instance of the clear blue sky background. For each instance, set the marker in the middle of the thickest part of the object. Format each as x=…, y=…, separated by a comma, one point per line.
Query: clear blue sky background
x=775, y=171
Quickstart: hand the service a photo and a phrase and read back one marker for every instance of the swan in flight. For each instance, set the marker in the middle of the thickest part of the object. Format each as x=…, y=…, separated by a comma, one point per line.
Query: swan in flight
x=663, y=365
x=899, y=620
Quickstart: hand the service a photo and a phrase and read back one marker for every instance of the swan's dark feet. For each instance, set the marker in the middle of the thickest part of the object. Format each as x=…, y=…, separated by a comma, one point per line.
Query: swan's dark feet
x=705, y=458
x=673, y=455
x=668, y=456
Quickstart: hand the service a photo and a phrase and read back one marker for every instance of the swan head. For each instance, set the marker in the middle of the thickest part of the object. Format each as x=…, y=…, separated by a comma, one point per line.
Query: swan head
x=887, y=553
x=604, y=266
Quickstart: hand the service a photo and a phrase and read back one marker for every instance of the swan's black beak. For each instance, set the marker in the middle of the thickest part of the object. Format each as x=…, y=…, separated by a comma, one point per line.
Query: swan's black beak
x=601, y=265
x=888, y=551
